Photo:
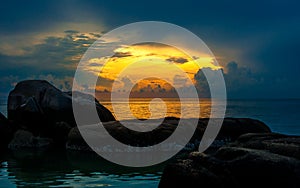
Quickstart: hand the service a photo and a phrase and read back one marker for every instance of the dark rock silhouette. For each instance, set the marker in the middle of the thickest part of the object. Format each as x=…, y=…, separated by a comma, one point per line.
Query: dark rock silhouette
x=40, y=108
x=25, y=140
x=231, y=129
x=37, y=100
x=266, y=164
x=273, y=142
x=6, y=132
x=244, y=154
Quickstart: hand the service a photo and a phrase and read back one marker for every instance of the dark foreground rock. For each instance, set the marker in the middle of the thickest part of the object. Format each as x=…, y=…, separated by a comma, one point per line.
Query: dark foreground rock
x=6, y=132
x=231, y=129
x=38, y=108
x=254, y=160
x=25, y=140
x=273, y=142
x=122, y=134
x=43, y=110
x=34, y=102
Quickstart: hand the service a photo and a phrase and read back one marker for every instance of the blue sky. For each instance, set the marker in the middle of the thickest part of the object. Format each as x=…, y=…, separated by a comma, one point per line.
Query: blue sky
x=257, y=42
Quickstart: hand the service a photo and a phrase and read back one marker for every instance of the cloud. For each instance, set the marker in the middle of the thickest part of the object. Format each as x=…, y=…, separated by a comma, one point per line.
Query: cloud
x=265, y=44
x=53, y=51
x=242, y=82
x=238, y=77
x=54, y=59
x=179, y=81
x=62, y=83
x=105, y=83
x=95, y=64
x=122, y=54
x=127, y=84
x=177, y=60
x=201, y=83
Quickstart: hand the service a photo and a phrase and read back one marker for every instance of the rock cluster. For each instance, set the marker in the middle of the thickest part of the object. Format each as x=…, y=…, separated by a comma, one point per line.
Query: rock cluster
x=253, y=160
x=41, y=116
x=245, y=153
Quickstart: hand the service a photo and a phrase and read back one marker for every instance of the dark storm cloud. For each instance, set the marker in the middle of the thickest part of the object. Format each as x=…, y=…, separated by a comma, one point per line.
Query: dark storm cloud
x=53, y=54
x=242, y=82
x=177, y=60
x=256, y=34
x=54, y=59
x=261, y=36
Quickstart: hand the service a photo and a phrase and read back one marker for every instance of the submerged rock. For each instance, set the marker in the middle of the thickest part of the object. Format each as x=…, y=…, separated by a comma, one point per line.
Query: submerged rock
x=237, y=165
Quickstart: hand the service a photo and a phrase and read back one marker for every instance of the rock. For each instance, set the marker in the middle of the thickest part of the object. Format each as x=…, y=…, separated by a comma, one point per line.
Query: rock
x=232, y=129
x=37, y=106
x=86, y=100
x=6, y=132
x=76, y=142
x=25, y=140
x=275, y=143
x=60, y=133
x=122, y=134
x=234, y=166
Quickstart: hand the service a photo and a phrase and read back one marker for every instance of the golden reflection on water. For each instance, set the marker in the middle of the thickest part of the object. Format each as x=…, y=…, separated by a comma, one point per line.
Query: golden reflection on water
x=143, y=108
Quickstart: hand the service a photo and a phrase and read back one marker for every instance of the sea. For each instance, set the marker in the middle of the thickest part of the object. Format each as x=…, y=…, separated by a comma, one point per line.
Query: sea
x=80, y=169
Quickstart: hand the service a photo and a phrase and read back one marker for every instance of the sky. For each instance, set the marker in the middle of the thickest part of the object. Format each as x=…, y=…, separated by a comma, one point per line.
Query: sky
x=256, y=43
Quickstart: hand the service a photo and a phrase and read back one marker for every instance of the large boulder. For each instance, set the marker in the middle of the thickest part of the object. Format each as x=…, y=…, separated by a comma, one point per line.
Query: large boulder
x=6, y=132
x=254, y=160
x=232, y=128
x=36, y=105
x=120, y=133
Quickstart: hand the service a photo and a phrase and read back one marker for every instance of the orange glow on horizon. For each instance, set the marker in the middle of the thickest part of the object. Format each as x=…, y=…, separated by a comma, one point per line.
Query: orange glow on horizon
x=158, y=58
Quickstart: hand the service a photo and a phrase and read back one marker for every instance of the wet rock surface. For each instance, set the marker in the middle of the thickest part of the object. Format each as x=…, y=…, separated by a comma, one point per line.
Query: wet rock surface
x=254, y=160
x=165, y=130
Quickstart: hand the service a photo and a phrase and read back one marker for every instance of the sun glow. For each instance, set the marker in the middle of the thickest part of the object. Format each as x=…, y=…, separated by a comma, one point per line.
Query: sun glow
x=153, y=57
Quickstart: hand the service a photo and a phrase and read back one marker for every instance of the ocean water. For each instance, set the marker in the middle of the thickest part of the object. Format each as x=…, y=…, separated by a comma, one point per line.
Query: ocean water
x=280, y=115
x=69, y=169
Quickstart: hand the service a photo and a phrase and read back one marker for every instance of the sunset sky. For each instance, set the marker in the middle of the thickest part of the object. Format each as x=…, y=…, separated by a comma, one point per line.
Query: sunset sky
x=256, y=43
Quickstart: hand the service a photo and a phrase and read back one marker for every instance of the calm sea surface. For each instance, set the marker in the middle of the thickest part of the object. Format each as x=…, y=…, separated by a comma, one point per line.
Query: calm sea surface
x=68, y=169
x=280, y=115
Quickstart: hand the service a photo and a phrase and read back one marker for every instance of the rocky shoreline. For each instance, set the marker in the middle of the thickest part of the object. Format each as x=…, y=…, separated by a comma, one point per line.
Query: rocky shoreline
x=245, y=153
x=253, y=160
